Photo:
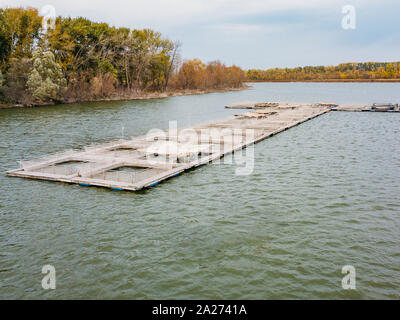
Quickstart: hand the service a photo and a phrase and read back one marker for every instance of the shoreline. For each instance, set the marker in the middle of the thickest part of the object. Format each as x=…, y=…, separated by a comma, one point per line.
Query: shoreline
x=330, y=80
x=132, y=97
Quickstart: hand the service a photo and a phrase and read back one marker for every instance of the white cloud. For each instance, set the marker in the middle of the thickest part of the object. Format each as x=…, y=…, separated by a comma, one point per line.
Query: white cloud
x=166, y=12
x=251, y=33
x=248, y=28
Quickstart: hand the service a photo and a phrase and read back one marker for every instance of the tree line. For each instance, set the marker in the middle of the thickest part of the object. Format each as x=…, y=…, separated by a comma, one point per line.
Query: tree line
x=344, y=71
x=82, y=60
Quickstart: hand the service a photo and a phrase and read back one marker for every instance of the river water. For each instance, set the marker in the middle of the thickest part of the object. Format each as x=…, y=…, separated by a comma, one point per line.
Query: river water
x=323, y=195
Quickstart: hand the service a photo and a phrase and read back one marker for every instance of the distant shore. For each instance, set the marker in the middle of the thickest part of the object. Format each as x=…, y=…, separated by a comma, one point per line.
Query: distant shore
x=328, y=80
x=133, y=96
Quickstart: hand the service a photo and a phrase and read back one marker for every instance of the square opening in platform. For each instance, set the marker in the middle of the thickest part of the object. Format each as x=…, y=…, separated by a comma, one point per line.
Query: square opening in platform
x=124, y=151
x=64, y=168
x=69, y=164
x=134, y=170
x=128, y=174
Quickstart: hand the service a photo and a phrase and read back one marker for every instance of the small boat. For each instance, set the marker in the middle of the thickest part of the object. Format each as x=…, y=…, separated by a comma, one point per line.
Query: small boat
x=384, y=107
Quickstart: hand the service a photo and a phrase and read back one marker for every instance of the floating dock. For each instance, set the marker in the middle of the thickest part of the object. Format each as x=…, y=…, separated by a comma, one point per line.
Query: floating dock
x=373, y=108
x=144, y=161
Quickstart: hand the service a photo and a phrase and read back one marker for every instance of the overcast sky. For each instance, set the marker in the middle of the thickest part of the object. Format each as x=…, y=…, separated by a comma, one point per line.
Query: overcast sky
x=254, y=33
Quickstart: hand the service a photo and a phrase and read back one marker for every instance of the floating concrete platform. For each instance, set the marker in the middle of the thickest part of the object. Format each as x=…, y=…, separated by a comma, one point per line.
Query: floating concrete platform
x=144, y=161
x=373, y=108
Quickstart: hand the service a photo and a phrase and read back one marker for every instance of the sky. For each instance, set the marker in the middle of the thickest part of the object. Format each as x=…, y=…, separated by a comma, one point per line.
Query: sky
x=254, y=33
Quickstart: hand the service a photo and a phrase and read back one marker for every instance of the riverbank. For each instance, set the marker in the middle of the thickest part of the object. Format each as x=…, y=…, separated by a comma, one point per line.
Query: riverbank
x=133, y=96
x=329, y=80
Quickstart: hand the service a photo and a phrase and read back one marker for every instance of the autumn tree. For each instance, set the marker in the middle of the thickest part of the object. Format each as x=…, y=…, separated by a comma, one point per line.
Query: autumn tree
x=16, y=81
x=351, y=71
x=194, y=74
x=19, y=32
x=80, y=60
x=1, y=84
x=389, y=70
x=191, y=75
x=5, y=40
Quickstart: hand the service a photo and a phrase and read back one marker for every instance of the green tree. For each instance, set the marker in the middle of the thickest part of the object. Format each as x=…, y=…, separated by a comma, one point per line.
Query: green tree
x=46, y=81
